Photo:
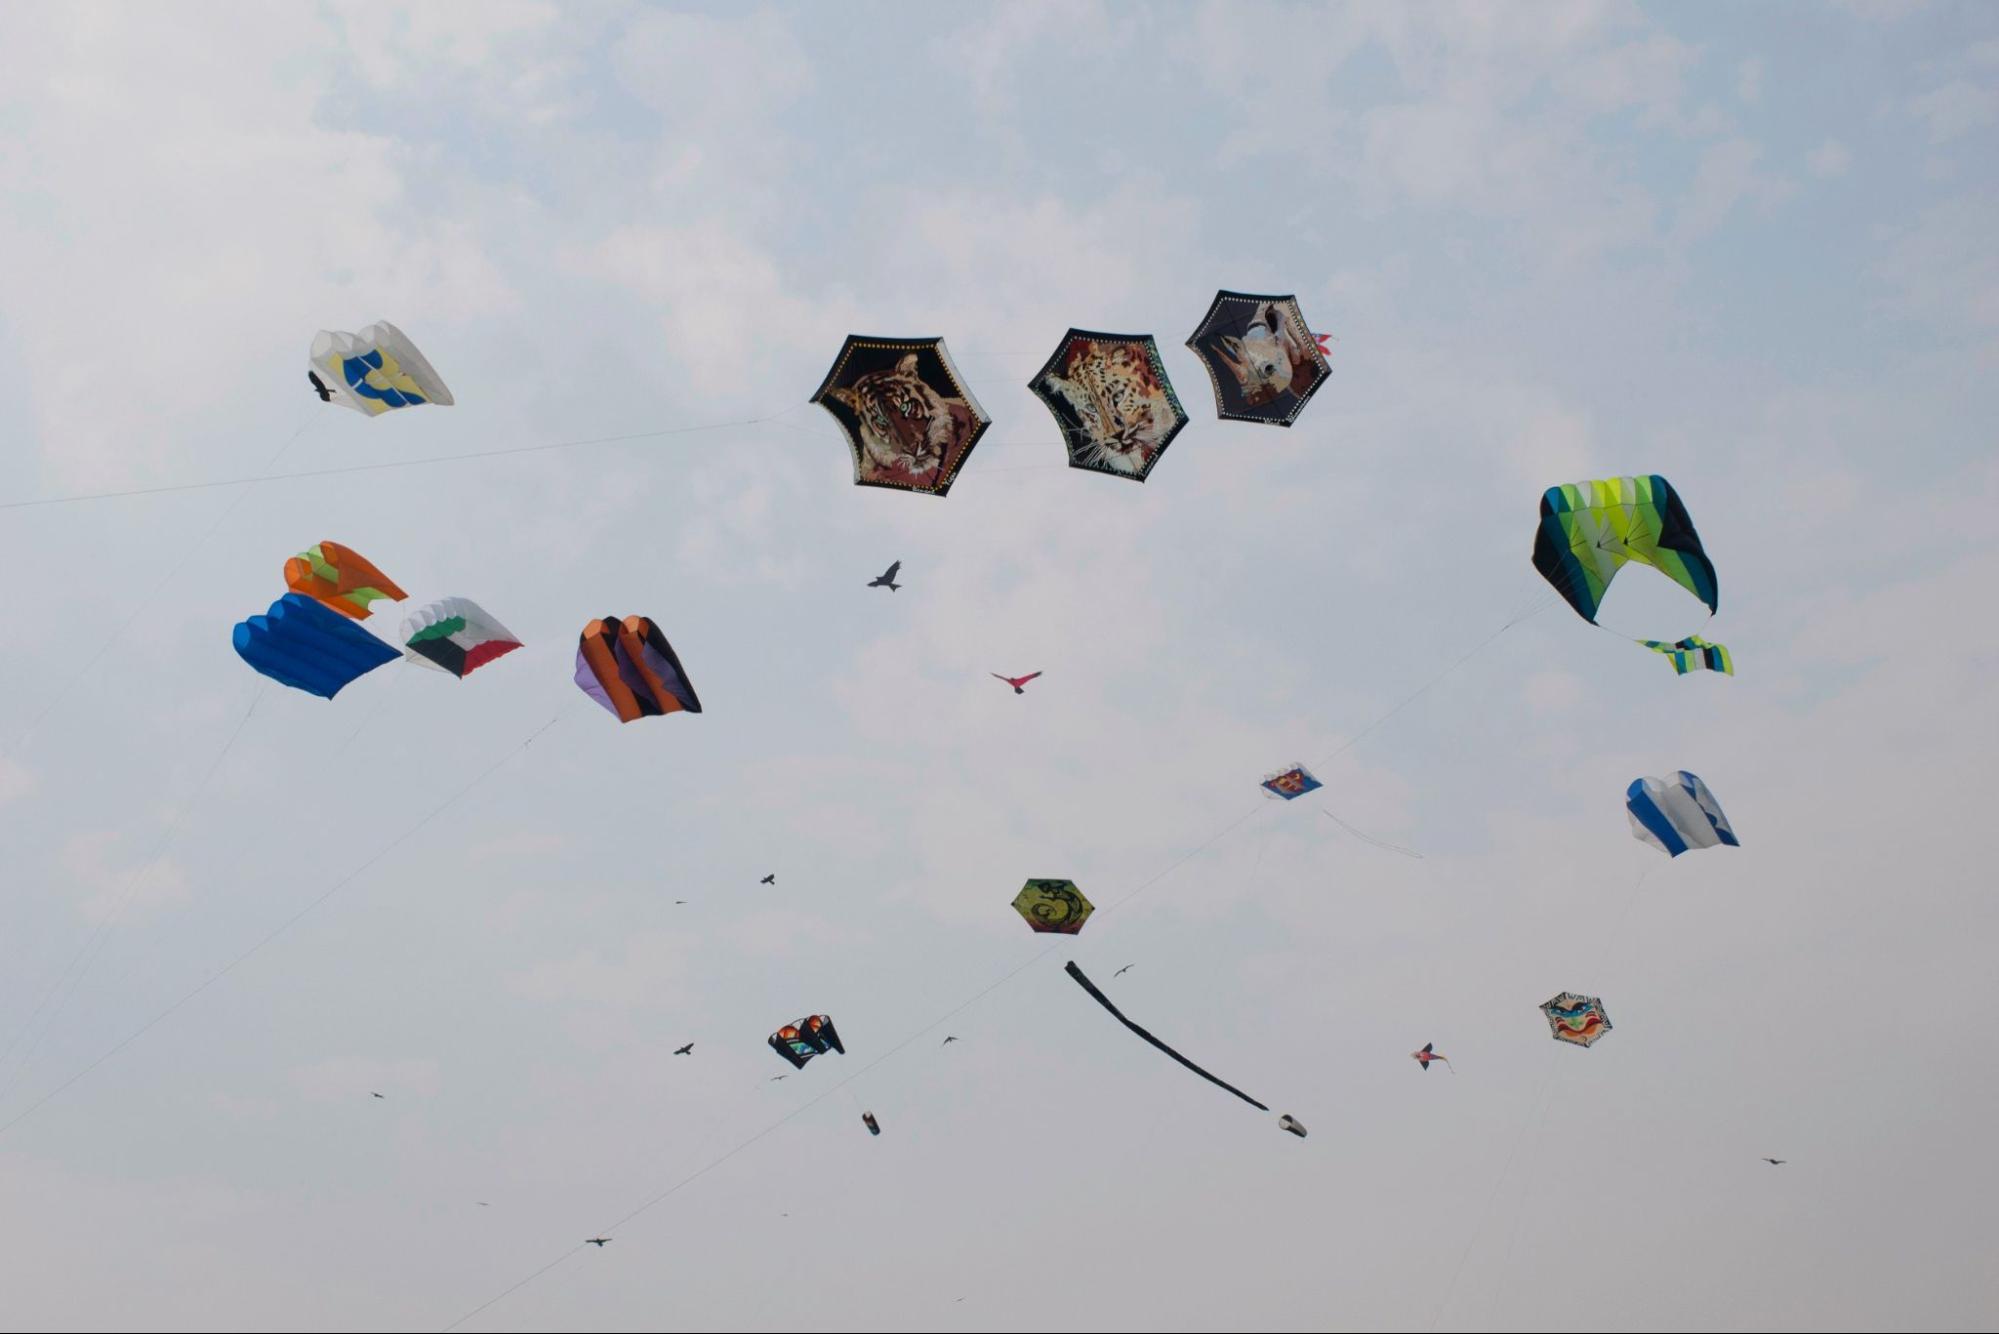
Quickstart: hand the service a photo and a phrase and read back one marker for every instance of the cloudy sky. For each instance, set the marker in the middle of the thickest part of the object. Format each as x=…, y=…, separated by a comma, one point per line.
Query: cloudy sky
x=1738, y=246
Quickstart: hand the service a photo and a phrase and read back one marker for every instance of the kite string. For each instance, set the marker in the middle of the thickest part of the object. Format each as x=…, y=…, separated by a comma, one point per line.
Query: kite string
x=280, y=929
x=980, y=995
x=87, y=953
x=346, y=469
x=1537, y=1107
x=76, y=678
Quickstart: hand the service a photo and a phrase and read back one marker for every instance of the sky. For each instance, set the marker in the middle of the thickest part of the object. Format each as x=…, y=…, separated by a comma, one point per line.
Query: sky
x=1739, y=246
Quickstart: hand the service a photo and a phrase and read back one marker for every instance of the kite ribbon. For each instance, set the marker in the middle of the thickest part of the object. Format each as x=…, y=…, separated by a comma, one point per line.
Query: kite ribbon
x=1118, y=1014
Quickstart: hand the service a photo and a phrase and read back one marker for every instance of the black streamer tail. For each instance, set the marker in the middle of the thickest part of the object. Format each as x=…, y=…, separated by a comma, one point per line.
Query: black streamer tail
x=1118, y=1014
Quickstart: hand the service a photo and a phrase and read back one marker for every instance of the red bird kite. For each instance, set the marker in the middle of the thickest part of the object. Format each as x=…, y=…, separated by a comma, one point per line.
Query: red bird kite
x=1429, y=1054
x=1016, y=681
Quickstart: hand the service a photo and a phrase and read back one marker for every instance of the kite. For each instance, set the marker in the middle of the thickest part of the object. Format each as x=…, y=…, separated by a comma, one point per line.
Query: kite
x=868, y=1120
x=455, y=635
x=1577, y=1019
x=1429, y=1054
x=1118, y=1014
x=628, y=667
x=340, y=577
x=299, y=643
x=1291, y=783
x=1264, y=363
x=1019, y=683
x=799, y=1042
x=1694, y=653
x=374, y=371
x=910, y=422
x=1292, y=1125
x=1589, y=530
x=1677, y=813
x=1111, y=398
x=1053, y=906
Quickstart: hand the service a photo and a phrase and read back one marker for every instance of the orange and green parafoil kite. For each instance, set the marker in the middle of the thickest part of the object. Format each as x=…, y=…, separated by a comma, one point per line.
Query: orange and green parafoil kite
x=341, y=578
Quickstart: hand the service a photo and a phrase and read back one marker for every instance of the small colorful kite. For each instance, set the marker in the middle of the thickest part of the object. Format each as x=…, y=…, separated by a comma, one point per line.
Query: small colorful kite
x=868, y=1120
x=1110, y=396
x=1676, y=814
x=1263, y=361
x=1291, y=1125
x=1291, y=783
x=628, y=667
x=1430, y=1053
x=1693, y=653
x=340, y=577
x=1053, y=906
x=910, y=422
x=799, y=1042
x=374, y=371
x=300, y=643
x=1577, y=1019
x=455, y=635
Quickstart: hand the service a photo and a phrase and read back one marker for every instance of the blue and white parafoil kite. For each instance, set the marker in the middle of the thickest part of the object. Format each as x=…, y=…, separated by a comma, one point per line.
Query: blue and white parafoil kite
x=1676, y=813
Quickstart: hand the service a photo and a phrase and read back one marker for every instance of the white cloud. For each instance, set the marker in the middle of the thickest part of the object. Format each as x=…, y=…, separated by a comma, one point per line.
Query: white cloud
x=1830, y=159
x=1749, y=80
x=1956, y=109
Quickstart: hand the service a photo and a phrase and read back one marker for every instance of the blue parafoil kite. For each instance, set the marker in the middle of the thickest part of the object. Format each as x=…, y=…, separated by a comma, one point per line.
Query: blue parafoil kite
x=302, y=644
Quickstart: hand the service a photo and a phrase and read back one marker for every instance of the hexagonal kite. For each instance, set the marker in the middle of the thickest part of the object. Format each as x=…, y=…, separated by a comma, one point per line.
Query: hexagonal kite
x=1576, y=1019
x=1110, y=395
x=910, y=422
x=1053, y=906
x=1263, y=361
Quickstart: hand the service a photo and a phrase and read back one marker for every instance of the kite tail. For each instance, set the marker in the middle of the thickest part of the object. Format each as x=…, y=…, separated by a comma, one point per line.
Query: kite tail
x=1118, y=1014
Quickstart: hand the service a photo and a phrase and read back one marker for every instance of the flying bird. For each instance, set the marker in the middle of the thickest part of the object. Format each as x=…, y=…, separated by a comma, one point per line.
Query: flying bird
x=682, y=1051
x=1776, y=1162
x=1016, y=681
x=678, y=902
x=948, y=1040
x=887, y=579
x=775, y=1078
x=770, y=879
x=598, y=1242
x=1122, y=971
x=1429, y=1054
x=374, y=1095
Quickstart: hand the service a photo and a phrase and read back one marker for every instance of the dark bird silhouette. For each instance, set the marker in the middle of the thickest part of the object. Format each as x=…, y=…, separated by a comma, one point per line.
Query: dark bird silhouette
x=678, y=902
x=1776, y=1162
x=775, y=1078
x=1017, y=681
x=770, y=879
x=887, y=579
x=948, y=1040
x=596, y=1241
x=682, y=1051
x=374, y=1095
x=319, y=387
x=1122, y=971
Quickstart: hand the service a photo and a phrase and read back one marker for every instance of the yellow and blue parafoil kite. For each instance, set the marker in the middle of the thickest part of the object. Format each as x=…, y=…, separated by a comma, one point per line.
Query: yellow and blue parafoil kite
x=374, y=371
x=1590, y=530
